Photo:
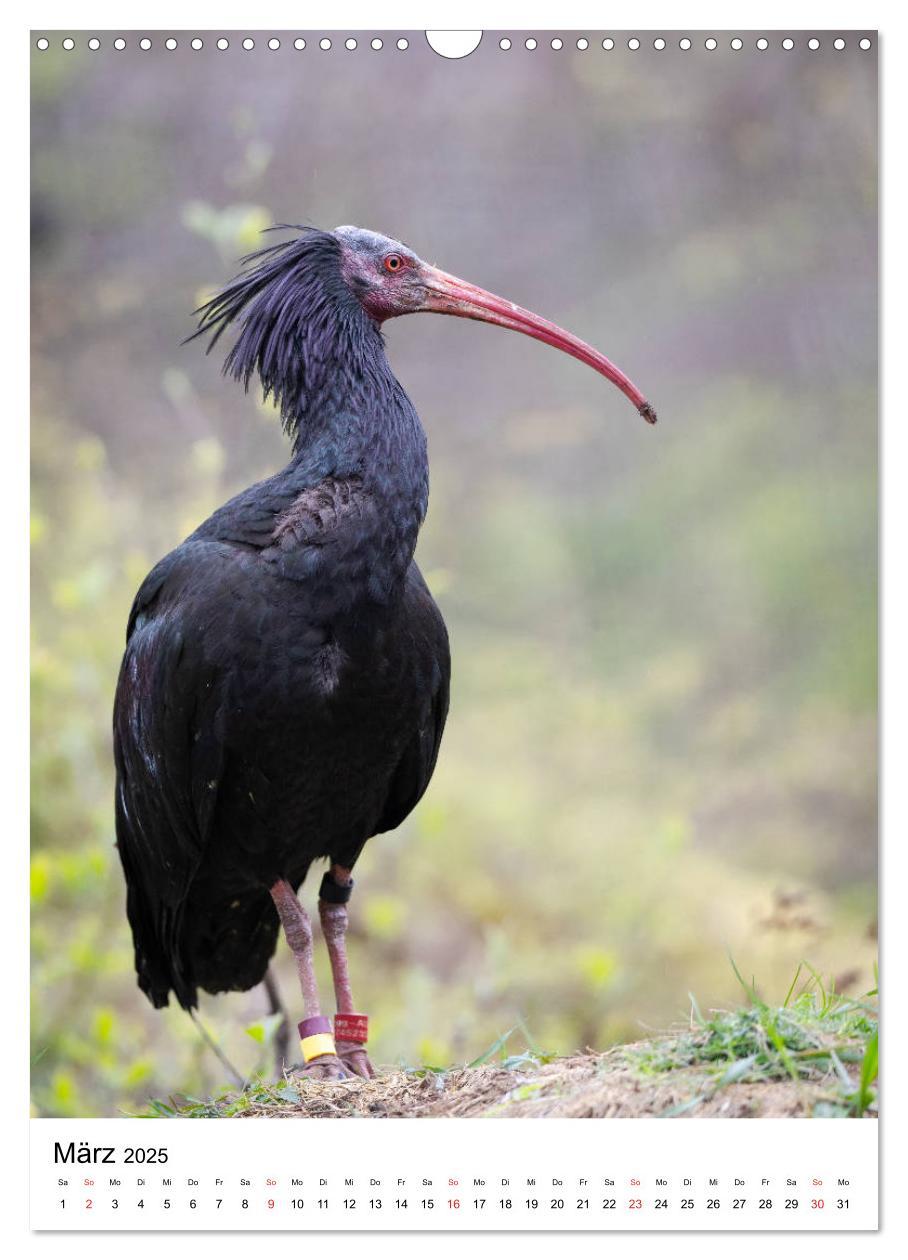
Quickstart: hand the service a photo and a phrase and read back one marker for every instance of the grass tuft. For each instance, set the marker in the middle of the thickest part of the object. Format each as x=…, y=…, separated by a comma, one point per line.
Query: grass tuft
x=812, y=1037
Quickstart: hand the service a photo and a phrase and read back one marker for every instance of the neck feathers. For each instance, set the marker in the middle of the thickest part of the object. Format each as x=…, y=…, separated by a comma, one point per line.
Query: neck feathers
x=300, y=329
x=321, y=358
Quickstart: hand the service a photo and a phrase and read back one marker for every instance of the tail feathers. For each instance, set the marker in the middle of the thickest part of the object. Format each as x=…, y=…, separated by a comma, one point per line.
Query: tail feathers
x=212, y=940
x=160, y=966
x=229, y=942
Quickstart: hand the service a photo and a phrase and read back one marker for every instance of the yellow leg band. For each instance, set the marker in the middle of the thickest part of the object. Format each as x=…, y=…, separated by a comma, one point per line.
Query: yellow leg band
x=316, y=1045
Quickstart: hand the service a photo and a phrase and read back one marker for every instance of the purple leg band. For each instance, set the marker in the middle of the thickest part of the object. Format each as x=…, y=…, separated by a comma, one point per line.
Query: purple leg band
x=315, y=1024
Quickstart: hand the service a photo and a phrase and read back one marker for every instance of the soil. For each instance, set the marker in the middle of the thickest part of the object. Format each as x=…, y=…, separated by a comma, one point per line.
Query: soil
x=582, y=1085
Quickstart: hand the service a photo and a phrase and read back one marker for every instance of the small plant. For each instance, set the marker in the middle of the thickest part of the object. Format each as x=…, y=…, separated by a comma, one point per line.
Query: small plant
x=811, y=1037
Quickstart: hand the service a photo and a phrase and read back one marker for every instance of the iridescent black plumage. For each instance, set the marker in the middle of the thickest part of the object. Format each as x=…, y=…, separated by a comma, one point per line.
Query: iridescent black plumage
x=285, y=682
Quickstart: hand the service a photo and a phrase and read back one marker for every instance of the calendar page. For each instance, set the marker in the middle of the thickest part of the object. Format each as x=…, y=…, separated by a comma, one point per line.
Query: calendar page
x=454, y=740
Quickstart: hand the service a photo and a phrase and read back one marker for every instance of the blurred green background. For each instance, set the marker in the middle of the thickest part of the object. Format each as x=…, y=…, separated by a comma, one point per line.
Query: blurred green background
x=662, y=743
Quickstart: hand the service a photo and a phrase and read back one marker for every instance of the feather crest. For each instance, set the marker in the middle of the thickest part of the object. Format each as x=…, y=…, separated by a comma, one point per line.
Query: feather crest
x=297, y=320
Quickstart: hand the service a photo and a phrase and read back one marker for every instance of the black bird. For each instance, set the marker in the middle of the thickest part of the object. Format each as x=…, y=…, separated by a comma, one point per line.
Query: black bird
x=284, y=688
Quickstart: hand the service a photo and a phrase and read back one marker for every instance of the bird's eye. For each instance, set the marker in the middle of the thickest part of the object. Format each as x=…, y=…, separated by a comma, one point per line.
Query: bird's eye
x=393, y=262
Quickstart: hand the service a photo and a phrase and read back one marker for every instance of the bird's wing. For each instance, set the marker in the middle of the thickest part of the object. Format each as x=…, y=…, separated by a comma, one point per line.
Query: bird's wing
x=277, y=517
x=415, y=768
x=319, y=530
x=168, y=754
x=317, y=511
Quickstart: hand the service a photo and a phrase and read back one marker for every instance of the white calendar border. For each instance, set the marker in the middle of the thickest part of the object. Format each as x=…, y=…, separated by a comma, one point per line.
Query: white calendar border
x=13, y=502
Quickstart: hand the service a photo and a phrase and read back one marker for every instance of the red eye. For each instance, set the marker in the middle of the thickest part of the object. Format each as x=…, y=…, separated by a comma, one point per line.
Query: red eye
x=393, y=262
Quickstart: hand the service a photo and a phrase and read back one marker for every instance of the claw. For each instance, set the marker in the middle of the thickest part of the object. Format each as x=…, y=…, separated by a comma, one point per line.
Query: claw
x=327, y=1067
x=352, y=1054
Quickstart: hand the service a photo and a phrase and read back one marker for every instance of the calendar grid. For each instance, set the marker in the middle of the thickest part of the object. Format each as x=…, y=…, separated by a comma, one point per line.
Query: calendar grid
x=454, y=1175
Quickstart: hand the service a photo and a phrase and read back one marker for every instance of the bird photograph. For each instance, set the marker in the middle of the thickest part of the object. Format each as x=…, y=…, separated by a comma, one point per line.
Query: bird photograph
x=286, y=680
x=420, y=728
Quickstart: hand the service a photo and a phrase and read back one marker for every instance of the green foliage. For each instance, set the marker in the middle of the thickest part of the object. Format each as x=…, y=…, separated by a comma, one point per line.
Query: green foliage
x=237, y=228
x=865, y=1094
x=811, y=1036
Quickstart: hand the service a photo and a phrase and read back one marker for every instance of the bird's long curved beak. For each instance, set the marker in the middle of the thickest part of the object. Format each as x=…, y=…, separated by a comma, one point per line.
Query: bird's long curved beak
x=447, y=295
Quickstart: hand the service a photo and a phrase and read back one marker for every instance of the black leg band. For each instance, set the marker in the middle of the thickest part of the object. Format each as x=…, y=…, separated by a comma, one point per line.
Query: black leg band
x=330, y=890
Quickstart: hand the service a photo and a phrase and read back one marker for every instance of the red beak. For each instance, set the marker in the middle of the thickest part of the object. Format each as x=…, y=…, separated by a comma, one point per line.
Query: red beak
x=449, y=296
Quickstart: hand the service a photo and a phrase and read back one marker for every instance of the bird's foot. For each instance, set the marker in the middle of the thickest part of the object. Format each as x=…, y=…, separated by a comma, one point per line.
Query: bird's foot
x=354, y=1056
x=327, y=1067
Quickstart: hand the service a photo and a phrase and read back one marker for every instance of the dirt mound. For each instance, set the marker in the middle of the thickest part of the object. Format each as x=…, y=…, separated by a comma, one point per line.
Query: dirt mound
x=582, y=1085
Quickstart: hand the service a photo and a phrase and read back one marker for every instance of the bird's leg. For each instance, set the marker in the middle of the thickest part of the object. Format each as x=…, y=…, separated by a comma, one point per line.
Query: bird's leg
x=332, y=910
x=282, y=1035
x=322, y=1062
